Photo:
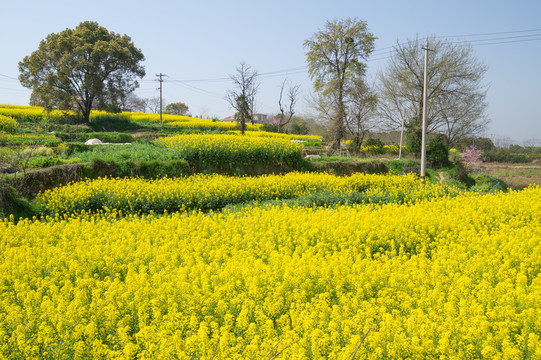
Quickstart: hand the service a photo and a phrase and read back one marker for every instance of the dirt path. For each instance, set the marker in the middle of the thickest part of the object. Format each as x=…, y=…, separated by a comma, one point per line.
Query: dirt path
x=441, y=178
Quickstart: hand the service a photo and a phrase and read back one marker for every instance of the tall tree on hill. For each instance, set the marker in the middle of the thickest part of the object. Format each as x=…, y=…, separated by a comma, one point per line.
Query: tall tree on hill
x=336, y=60
x=79, y=67
x=455, y=92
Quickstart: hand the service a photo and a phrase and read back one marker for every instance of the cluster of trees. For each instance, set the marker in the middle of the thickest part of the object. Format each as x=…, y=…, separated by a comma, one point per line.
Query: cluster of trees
x=90, y=67
x=351, y=107
x=456, y=95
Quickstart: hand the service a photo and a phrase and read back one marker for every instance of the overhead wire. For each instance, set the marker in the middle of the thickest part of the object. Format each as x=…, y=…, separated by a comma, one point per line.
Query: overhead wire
x=377, y=55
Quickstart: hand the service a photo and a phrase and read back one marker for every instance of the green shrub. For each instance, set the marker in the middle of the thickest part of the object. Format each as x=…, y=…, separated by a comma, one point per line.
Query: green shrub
x=43, y=161
x=437, y=151
x=373, y=142
x=486, y=183
x=77, y=147
x=269, y=127
x=405, y=166
x=460, y=173
x=505, y=155
x=52, y=143
x=112, y=122
x=414, y=141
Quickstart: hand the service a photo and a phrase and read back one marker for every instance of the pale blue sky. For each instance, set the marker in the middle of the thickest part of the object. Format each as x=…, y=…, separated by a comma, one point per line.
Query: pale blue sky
x=207, y=39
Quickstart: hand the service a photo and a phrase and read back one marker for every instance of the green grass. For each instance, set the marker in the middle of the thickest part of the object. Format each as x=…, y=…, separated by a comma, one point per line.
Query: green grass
x=134, y=152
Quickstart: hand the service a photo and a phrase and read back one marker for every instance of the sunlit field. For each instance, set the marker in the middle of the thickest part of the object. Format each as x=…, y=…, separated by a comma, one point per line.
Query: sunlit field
x=446, y=277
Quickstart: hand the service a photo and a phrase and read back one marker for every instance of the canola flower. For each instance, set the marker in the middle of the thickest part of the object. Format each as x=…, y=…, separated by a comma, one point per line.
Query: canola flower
x=29, y=113
x=36, y=113
x=448, y=278
x=8, y=124
x=388, y=148
x=187, y=122
x=277, y=135
x=216, y=191
x=225, y=149
x=26, y=139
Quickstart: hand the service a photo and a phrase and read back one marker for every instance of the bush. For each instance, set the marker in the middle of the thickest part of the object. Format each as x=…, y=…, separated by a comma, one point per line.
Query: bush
x=414, y=142
x=484, y=144
x=269, y=127
x=43, y=161
x=505, y=155
x=372, y=147
x=437, y=151
x=405, y=166
x=487, y=183
x=373, y=142
x=300, y=128
x=112, y=122
x=77, y=147
x=460, y=173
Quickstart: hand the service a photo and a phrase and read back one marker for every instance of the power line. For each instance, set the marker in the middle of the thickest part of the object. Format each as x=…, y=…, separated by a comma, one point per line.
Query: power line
x=9, y=77
x=494, y=33
x=194, y=88
x=19, y=90
x=508, y=42
x=385, y=53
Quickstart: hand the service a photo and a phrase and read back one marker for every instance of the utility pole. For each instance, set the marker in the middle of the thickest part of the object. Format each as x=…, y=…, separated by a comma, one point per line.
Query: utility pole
x=401, y=135
x=423, y=142
x=161, y=81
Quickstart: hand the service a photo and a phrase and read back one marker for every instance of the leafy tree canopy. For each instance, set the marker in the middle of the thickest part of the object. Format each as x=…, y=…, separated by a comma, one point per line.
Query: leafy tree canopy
x=77, y=68
x=336, y=59
x=338, y=53
x=177, y=108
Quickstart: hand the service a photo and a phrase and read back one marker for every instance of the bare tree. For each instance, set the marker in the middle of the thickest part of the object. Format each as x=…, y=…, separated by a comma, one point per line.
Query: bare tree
x=288, y=110
x=242, y=98
x=153, y=104
x=135, y=103
x=455, y=93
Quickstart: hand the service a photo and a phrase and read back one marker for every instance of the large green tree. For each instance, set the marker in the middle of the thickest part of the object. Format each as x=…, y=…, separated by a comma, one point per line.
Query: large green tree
x=456, y=95
x=77, y=68
x=336, y=57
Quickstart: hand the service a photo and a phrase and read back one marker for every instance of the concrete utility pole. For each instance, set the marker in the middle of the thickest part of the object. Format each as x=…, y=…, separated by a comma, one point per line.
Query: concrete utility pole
x=423, y=144
x=161, y=81
x=401, y=135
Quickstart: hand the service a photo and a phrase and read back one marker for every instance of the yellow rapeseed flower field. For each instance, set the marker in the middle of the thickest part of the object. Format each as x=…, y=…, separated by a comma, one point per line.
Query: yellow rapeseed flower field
x=36, y=113
x=444, y=278
x=8, y=124
x=230, y=149
x=209, y=192
x=277, y=135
